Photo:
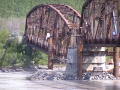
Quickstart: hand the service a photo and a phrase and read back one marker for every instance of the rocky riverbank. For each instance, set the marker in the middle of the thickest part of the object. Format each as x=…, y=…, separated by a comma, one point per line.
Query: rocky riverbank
x=11, y=69
x=18, y=69
x=64, y=75
x=59, y=73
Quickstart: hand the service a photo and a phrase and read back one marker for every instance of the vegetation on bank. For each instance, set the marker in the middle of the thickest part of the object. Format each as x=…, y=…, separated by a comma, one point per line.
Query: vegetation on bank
x=13, y=52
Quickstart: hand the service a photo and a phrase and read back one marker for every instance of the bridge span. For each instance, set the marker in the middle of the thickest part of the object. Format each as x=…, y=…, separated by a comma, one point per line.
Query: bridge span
x=53, y=28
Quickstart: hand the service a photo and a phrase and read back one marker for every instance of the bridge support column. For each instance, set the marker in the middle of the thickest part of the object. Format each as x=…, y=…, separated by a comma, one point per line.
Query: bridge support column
x=50, y=54
x=79, y=57
x=116, y=63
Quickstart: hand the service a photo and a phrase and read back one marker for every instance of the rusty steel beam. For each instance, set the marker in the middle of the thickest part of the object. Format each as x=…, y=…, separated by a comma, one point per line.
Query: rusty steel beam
x=79, y=57
x=93, y=53
x=116, y=62
x=101, y=45
x=50, y=54
x=118, y=25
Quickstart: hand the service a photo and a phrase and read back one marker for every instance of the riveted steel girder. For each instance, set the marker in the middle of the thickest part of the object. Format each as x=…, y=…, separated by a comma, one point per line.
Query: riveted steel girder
x=52, y=20
x=100, y=22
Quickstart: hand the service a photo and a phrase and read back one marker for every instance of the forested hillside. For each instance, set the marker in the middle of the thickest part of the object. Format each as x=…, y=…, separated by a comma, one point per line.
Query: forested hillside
x=19, y=8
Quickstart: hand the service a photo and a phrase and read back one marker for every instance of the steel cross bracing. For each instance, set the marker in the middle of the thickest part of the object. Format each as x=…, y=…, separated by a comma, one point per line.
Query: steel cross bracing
x=52, y=20
x=100, y=22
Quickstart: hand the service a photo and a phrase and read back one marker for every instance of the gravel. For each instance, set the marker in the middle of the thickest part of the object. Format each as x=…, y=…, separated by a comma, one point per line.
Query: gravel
x=63, y=75
x=52, y=75
x=11, y=69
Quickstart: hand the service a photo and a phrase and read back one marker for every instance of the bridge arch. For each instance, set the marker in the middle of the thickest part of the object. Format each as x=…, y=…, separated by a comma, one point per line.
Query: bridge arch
x=52, y=20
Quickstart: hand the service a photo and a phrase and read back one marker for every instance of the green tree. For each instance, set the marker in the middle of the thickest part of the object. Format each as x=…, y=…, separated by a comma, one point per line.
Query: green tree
x=19, y=8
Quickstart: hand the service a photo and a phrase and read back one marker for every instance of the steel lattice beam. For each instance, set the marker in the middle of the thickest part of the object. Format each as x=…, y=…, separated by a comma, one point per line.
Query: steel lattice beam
x=52, y=20
x=100, y=22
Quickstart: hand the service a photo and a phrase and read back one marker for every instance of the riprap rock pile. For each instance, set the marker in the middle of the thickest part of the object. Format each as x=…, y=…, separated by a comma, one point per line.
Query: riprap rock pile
x=57, y=75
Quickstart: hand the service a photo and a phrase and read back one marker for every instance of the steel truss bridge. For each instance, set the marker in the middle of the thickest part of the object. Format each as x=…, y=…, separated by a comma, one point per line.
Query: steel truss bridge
x=53, y=28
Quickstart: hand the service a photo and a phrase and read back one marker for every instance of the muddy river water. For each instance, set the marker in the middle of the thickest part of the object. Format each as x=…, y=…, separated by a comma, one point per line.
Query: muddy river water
x=19, y=81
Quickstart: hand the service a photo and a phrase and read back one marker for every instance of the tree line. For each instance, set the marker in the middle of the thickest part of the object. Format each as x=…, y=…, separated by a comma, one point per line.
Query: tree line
x=19, y=8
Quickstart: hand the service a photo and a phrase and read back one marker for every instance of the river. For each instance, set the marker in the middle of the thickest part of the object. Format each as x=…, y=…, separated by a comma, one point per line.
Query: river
x=19, y=81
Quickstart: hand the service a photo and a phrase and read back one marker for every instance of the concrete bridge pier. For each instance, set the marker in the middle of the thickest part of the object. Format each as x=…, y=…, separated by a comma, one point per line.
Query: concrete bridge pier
x=77, y=63
x=92, y=58
x=87, y=62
